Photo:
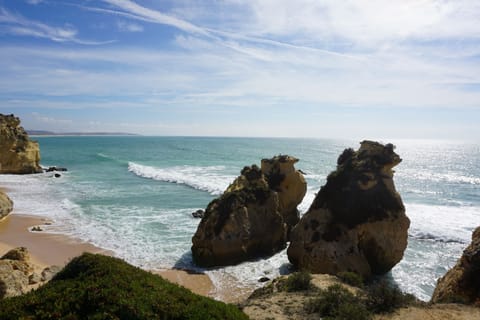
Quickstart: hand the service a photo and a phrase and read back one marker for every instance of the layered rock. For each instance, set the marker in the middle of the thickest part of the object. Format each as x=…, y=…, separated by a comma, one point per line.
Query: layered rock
x=17, y=273
x=250, y=218
x=18, y=154
x=462, y=282
x=6, y=205
x=357, y=221
x=289, y=183
x=14, y=272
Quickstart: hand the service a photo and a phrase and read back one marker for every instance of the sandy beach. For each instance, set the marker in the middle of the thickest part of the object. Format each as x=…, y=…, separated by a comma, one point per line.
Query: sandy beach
x=54, y=249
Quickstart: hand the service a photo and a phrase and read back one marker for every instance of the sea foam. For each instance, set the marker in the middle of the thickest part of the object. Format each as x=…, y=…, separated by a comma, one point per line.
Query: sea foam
x=208, y=179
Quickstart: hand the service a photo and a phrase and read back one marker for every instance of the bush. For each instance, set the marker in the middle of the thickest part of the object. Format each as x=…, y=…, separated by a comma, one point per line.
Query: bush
x=100, y=287
x=383, y=297
x=338, y=303
x=298, y=281
x=351, y=278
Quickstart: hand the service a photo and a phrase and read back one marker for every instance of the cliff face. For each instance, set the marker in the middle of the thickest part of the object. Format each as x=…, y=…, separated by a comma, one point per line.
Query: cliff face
x=6, y=205
x=18, y=154
x=251, y=218
x=462, y=282
x=357, y=221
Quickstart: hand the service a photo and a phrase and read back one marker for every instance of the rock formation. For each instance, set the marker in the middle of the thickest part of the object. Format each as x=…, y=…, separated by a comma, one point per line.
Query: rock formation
x=462, y=282
x=18, y=154
x=14, y=272
x=17, y=274
x=250, y=218
x=357, y=221
x=6, y=205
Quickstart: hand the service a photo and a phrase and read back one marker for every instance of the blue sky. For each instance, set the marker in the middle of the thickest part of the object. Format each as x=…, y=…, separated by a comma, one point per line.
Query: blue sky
x=348, y=69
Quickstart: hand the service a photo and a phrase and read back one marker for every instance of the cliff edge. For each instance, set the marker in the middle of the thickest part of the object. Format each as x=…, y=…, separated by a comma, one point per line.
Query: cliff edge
x=18, y=154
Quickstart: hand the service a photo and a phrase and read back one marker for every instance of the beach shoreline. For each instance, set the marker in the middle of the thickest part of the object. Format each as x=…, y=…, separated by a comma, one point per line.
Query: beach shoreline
x=48, y=249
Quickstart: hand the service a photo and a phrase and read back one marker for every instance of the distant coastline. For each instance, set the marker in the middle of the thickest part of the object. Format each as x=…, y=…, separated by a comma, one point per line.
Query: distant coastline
x=51, y=133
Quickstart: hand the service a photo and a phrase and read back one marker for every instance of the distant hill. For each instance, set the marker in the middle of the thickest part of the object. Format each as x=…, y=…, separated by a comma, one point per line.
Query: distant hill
x=51, y=133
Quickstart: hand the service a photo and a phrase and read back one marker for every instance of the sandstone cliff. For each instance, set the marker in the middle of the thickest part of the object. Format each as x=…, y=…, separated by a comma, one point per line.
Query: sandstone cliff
x=462, y=282
x=6, y=205
x=357, y=221
x=253, y=216
x=18, y=154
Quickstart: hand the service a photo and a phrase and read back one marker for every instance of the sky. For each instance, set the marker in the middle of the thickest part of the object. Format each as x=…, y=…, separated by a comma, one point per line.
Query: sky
x=359, y=69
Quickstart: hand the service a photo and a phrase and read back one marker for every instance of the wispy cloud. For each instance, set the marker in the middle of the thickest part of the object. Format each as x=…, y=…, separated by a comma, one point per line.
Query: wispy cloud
x=129, y=26
x=16, y=24
x=143, y=13
x=34, y=2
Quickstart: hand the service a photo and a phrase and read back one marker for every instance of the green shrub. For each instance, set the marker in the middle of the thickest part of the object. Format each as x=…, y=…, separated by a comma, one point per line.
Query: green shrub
x=351, y=278
x=100, y=287
x=383, y=297
x=298, y=281
x=336, y=302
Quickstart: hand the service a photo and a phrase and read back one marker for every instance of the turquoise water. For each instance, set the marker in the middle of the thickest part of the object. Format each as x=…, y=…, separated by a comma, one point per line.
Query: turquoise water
x=135, y=196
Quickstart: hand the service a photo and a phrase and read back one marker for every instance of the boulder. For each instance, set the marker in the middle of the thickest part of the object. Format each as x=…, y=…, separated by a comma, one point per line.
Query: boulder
x=357, y=221
x=18, y=154
x=462, y=282
x=14, y=272
x=12, y=282
x=6, y=205
x=250, y=218
x=49, y=272
x=198, y=214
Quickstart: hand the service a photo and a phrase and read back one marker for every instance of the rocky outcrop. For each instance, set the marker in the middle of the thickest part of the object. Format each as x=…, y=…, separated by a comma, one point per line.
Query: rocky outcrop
x=357, y=221
x=17, y=273
x=462, y=282
x=14, y=272
x=251, y=218
x=6, y=205
x=289, y=184
x=18, y=154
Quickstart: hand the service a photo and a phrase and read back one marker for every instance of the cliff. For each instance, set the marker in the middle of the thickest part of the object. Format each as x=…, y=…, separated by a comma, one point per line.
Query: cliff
x=462, y=282
x=18, y=154
x=357, y=221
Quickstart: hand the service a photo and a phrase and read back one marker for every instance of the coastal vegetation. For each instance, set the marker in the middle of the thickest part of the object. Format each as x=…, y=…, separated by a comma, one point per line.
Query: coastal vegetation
x=94, y=286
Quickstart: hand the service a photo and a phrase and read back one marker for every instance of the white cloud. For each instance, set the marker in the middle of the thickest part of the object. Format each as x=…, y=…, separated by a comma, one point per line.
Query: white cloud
x=129, y=27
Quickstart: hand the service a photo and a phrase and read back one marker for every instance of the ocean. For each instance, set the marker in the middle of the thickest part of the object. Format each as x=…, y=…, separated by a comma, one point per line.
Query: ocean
x=134, y=195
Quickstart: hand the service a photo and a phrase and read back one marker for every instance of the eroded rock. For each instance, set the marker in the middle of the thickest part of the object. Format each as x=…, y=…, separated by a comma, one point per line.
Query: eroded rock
x=18, y=154
x=6, y=205
x=462, y=282
x=357, y=221
x=251, y=218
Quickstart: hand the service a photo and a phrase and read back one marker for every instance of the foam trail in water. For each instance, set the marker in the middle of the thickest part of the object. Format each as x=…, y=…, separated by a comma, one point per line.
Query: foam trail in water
x=210, y=179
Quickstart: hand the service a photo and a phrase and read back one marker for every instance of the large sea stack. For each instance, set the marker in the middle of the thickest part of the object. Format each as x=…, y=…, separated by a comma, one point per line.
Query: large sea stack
x=253, y=216
x=357, y=221
x=462, y=282
x=18, y=154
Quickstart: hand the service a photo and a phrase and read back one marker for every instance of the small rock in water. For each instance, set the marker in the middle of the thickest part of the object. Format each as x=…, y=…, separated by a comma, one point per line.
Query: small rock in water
x=264, y=279
x=198, y=214
x=36, y=229
x=57, y=175
x=50, y=169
